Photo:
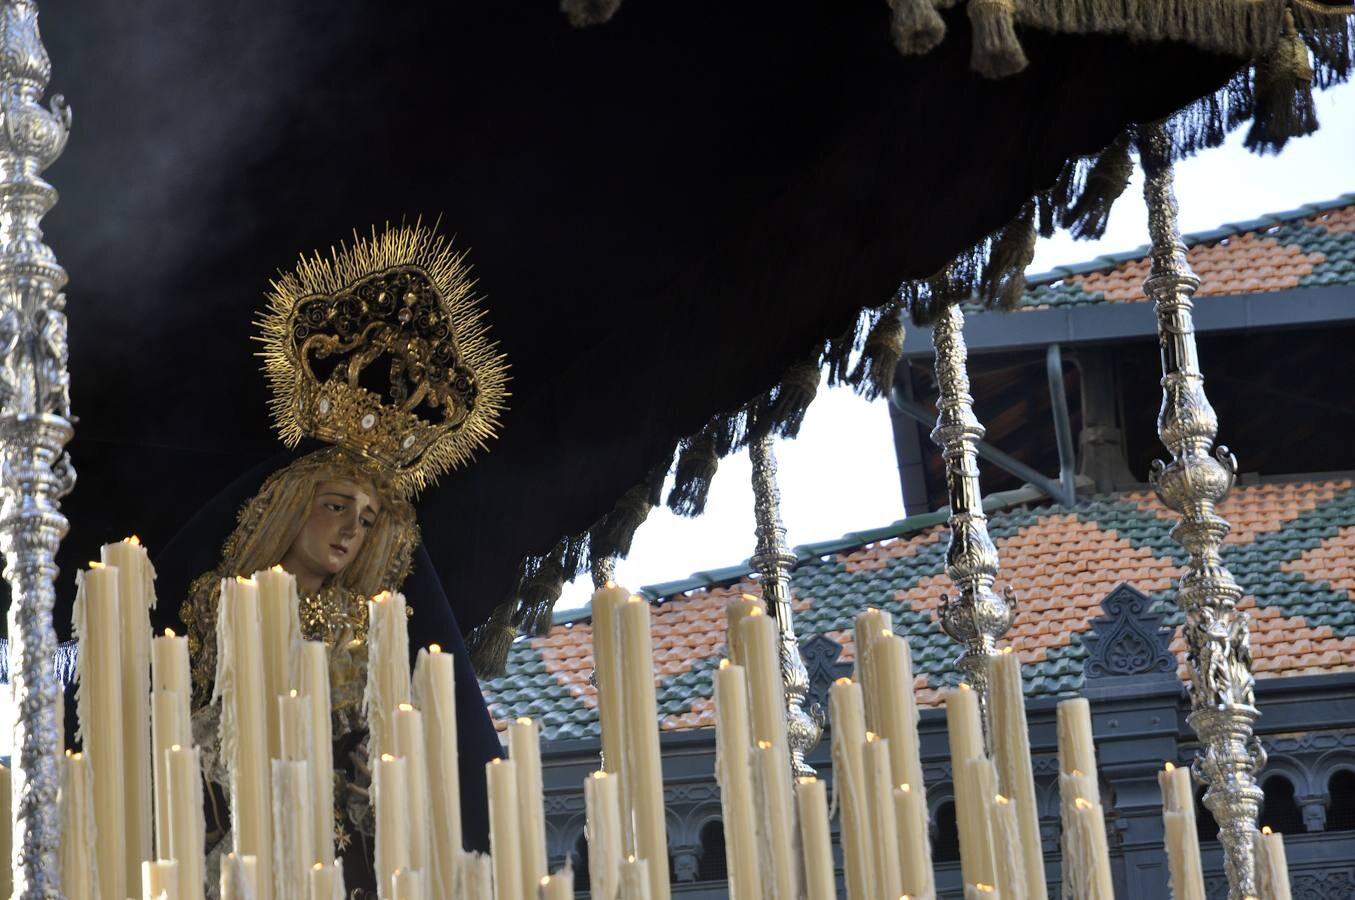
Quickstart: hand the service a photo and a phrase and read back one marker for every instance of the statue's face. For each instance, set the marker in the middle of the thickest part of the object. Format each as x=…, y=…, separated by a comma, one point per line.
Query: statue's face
x=340, y=518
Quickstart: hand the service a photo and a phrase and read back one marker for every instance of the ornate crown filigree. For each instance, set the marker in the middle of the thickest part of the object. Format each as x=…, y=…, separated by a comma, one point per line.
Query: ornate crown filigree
x=381, y=348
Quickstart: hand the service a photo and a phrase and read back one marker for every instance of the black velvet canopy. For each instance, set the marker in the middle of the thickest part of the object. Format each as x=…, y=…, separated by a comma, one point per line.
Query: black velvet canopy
x=664, y=212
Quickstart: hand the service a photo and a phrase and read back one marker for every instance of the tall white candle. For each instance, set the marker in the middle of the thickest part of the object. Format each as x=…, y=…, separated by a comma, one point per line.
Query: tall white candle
x=735, y=612
x=388, y=675
x=97, y=625
x=136, y=597
x=975, y=786
x=1085, y=852
x=239, y=877
x=281, y=626
x=244, y=738
x=811, y=798
x=312, y=683
x=435, y=694
x=392, y=820
x=7, y=823
x=524, y=748
x=607, y=661
x=1272, y=866
x=772, y=773
x=896, y=705
x=1182, y=840
x=847, y=716
x=159, y=879
x=880, y=810
x=504, y=844
x=766, y=693
x=1011, y=877
x=186, y=833
x=475, y=876
x=77, y=854
x=292, y=828
x=915, y=859
x=636, y=879
x=601, y=797
x=732, y=747
x=872, y=625
x=1011, y=754
x=326, y=881
x=171, y=721
x=644, y=765
x=409, y=744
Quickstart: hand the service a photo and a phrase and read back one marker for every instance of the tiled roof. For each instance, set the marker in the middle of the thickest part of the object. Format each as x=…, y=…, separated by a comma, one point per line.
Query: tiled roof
x=1292, y=549
x=1310, y=246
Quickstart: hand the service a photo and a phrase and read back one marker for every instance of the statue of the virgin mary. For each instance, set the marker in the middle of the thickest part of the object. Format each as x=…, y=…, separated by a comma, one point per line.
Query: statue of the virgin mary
x=383, y=377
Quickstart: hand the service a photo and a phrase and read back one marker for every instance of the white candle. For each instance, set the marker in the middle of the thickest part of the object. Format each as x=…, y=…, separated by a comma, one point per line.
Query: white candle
x=1011, y=876
x=136, y=597
x=159, y=879
x=644, y=766
x=601, y=797
x=171, y=721
x=435, y=694
x=97, y=624
x=896, y=705
x=880, y=810
x=239, y=877
x=387, y=667
x=1272, y=866
x=1182, y=840
x=312, y=681
x=183, y=780
x=607, y=660
x=239, y=683
x=1085, y=852
x=558, y=885
x=504, y=845
x=278, y=611
x=772, y=771
x=392, y=820
x=871, y=626
x=975, y=786
x=848, y=729
x=292, y=828
x=326, y=881
x=524, y=748
x=811, y=797
x=409, y=744
x=475, y=876
x=732, y=747
x=77, y=854
x=7, y=823
x=735, y=612
x=766, y=694
x=915, y=859
x=1011, y=754
x=407, y=884
x=1077, y=748
x=635, y=880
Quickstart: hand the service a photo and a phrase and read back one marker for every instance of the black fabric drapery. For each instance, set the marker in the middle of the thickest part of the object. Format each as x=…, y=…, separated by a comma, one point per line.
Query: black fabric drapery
x=664, y=214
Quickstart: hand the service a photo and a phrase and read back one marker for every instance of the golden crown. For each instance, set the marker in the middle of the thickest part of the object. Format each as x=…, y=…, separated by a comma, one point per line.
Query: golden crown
x=381, y=348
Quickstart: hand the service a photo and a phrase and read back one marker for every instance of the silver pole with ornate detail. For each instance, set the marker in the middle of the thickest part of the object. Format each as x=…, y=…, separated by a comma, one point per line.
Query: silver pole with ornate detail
x=979, y=616
x=773, y=562
x=34, y=429
x=1192, y=483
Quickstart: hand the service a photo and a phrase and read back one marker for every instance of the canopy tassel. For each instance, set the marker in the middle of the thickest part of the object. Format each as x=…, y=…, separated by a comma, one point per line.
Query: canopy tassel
x=917, y=27
x=996, y=51
x=696, y=467
x=1087, y=216
x=787, y=405
x=874, y=372
x=489, y=643
x=1284, y=93
x=1004, y=277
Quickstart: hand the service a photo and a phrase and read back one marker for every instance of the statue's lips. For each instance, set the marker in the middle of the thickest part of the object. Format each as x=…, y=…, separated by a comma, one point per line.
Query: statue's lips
x=339, y=548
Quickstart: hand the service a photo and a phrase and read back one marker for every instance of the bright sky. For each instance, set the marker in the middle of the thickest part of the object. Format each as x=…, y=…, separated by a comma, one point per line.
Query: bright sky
x=841, y=474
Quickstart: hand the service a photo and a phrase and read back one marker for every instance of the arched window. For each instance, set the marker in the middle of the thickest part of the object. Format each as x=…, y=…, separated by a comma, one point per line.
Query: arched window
x=1205, y=826
x=579, y=860
x=713, y=866
x=1280, y=811
x=1341, y=801
x=946, y=841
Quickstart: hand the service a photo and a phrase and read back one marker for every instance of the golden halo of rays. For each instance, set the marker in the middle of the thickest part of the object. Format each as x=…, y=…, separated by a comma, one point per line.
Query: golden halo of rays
x=446, y=267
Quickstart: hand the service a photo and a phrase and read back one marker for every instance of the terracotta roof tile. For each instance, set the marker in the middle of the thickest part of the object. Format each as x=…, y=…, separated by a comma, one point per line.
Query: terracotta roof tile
x=1292, y=550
